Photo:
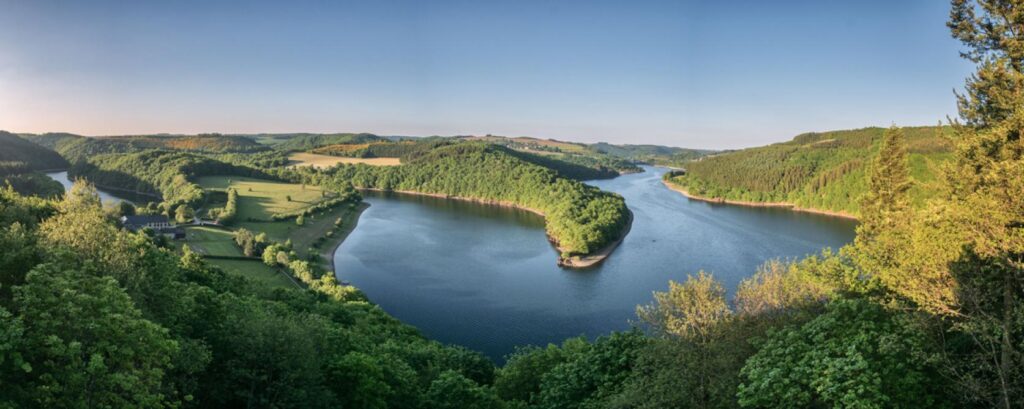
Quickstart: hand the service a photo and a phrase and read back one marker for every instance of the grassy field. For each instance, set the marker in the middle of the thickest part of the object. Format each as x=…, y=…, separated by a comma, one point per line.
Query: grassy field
x=212, y=242
x=304, y=236
x=254, y=270
x=259, y=199
x=326, y=161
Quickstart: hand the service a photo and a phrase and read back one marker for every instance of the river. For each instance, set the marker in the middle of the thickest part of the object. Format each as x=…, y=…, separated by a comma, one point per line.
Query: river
x=485, y=276
x=105, y=197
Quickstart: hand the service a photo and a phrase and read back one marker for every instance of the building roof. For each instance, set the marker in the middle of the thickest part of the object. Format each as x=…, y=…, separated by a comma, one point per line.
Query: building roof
x=144, y=220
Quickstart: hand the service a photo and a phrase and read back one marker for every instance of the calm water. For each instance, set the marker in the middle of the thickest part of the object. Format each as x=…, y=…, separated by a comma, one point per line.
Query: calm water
x=485, y=277
x=105, y=197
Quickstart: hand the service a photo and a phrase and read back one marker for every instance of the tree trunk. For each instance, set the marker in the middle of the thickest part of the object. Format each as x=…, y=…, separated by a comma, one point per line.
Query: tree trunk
x=1006, y=353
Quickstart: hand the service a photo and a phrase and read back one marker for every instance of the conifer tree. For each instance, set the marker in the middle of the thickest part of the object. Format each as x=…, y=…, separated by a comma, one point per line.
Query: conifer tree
x=886, y=202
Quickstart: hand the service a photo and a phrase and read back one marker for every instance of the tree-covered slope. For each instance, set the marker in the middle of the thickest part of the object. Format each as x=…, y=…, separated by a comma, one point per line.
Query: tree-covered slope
x=571, y=152
x=654, y=154
x=169, y=175
x=824, y=171
x=304, y=142
x=581, y=218
x=18, y=155
x=77, y=148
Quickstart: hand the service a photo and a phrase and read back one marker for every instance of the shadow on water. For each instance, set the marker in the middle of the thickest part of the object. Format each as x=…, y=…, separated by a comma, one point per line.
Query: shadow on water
x=105, y=196
x=485, y=276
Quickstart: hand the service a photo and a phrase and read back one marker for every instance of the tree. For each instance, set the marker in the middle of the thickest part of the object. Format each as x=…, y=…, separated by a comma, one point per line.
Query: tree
x=82, y=195
x=886, y=216
x=690, y=310
x=87, y=345
x=856, y=355
x=301, y=220
x=125, y=208
x=451, y=390
x=183, y=214
x=886, y=202
x=694, y=317
x=987, y=196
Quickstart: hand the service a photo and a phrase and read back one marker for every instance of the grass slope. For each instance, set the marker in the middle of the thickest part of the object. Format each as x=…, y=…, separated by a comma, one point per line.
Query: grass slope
x=260, y=199
x=824, y=171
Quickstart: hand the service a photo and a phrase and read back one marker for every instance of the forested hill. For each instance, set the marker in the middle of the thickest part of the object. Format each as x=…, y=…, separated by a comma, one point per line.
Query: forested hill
x=581, y=218
x=820, y=170
x=303, y=142
x=654, y=154
x=76, y=148
x=21, y=156
x=166, y=174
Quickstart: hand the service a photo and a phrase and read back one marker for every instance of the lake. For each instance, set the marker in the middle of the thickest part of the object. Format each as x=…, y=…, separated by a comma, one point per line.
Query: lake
x=485, y=276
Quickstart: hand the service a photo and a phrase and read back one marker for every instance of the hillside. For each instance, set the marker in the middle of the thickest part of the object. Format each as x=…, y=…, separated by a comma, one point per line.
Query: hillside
x=76, y=147
x=581, y=219
x=165, y=174
x=653, y=154
x=21, y=156
x=571, y=152
x=305, y=142
x=823, y=171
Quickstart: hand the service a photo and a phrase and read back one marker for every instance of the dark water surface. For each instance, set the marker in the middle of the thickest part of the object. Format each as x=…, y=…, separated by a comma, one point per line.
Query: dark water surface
x=105, y=197
x=485, y=276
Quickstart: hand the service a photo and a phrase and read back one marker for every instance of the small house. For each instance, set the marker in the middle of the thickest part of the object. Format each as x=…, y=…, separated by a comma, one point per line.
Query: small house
x=136, y=223
x=159, y=224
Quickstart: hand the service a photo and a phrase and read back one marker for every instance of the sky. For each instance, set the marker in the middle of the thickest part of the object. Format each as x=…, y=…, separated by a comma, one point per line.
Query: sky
x=700, y=74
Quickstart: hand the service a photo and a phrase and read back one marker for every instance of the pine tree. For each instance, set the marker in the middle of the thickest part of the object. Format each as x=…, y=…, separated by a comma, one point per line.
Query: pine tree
x=886, y=202
x=986, y=198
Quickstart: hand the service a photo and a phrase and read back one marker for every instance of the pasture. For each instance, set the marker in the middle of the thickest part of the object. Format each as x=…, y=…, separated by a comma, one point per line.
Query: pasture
x=255, y=270
x=212, y=241
x=325, y=161
x=260, y=199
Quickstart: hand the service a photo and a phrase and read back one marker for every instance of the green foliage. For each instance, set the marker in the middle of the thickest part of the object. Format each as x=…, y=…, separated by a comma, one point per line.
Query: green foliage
x=561, y=156
x=578, y=374
x=229, y=213
x=106, y=318
x=169, y=175
x=451, y=390
x=654, y=154
x=183, y=214
x=581, y=218
x=78, y=148
x=21, y=156
x=815, y=170
x=87, y=345
x=34, y=184
x=856, y=355
x=305, y=142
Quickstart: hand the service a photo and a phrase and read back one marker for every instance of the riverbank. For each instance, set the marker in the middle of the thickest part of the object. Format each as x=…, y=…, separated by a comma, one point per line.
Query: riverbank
x=349, y=223
x=785, y=205
x=585, y=261
x=599, y=256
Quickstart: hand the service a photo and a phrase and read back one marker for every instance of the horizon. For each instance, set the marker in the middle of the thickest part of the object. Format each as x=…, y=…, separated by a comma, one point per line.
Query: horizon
x=660, y=73
x=245, y=134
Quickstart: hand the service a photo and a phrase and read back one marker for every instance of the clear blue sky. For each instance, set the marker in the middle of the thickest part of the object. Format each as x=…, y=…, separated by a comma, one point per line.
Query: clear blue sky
x=714, y=74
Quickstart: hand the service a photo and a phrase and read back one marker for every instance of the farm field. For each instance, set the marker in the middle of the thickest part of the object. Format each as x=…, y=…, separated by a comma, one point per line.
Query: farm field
x=211, y=241
x=260, y=199
x=326, y=161
x=255, y=270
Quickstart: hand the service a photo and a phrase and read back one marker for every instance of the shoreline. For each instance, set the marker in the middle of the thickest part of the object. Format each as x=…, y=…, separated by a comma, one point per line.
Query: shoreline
x=584, y=261
x=600, y=255
x=785, y=205
x=327, y=255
